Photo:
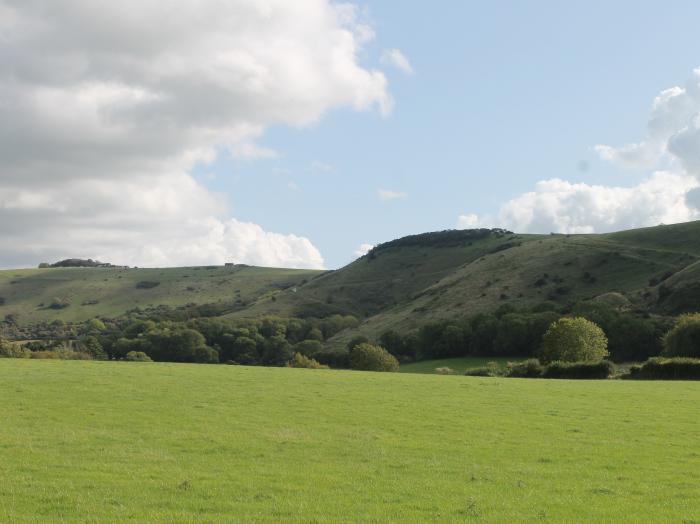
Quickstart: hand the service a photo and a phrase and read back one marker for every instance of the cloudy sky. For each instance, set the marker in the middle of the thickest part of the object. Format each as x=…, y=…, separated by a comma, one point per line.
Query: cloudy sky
x=278, y=133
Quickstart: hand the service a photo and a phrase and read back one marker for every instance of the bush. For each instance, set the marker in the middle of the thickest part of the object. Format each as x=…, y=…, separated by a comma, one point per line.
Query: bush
x=684, y=339
x=444, y=371
x=530, y=368
x=45, y=355
x=61, y=354
x=137, y=356
x=59, y=303
x=573, y=340
x=368, y=357
x=356, y=341
x=667, y=369
x=301, y=361
x=147, y=284
x=579, y=370
x=8, y=350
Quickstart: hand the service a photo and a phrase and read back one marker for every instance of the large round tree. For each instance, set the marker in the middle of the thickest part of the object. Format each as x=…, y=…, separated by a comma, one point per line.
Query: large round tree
x=684, y=339
x=573, y=340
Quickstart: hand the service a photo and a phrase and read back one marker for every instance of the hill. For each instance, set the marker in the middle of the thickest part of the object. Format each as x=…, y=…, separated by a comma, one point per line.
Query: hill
x=77, y=294
x=117, y=441
x=405, y=283
x=399, y=285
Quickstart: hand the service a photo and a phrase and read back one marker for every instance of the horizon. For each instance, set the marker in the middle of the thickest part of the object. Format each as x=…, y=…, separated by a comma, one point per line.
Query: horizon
x=237, y=264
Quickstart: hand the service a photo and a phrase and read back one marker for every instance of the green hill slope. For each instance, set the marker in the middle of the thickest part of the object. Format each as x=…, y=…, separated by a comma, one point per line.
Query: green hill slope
x=398, y=285
x=28, y=294
x=405, y=283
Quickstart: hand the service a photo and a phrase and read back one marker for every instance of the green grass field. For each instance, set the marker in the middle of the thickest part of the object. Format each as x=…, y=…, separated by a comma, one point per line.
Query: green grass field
x=458, y=364
x=125, y=442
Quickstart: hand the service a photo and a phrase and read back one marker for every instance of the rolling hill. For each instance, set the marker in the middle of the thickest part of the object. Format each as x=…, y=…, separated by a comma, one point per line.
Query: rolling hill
x=400, y=284
x=78, y=294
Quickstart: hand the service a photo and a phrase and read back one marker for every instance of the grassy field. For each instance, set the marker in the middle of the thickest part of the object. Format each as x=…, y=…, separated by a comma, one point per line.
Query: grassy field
x=458, y=364
x=126, y=442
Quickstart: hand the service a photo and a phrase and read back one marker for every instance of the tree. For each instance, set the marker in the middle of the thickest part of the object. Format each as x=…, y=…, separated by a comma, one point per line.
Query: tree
x=684, y=339
x=393, y=342
x=368, y=357
x=308, y=348
x=573, y=340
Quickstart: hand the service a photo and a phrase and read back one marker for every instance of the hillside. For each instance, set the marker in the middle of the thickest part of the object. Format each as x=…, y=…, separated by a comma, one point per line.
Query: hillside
x=398, y=285
x=128, y=442
x=77, y=294
x=405, y=283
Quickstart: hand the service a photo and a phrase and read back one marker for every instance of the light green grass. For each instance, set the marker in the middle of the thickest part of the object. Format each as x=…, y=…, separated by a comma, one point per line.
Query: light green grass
x=125, y=442
x=458, y=364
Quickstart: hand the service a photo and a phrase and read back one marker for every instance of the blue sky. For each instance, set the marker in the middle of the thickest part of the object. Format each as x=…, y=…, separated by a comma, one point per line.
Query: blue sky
x=538, y=116
x=504, y=94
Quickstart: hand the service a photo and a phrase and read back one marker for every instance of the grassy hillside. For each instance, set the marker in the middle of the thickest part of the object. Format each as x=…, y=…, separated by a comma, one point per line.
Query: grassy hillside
x=400, y=284
x=110, y=292
x=114, y=442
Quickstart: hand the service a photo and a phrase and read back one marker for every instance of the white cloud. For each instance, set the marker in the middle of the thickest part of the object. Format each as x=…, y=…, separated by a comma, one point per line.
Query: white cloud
x=671, y=194
x=107, y=107
x=363, y=250
x=673, y=132
x=560, y=206
x=388, y=194
x=397, y=59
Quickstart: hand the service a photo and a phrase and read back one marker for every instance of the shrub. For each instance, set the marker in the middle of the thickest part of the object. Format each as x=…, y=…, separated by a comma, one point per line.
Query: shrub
x=137, y=356
x=444, y=371
x=356, y=341
x=59, y=303
x=530, y=368
x=147, y=284
x=301, y=361
x=573, y=340
x=69, y=354
x=368, y=357
x=45, y=355
x=579, y=370
x=8, y=350
x=667, y=369
x=684, y=339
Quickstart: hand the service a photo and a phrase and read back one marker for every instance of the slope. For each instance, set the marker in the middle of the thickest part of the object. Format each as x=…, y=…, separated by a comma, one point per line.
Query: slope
x=77, y=294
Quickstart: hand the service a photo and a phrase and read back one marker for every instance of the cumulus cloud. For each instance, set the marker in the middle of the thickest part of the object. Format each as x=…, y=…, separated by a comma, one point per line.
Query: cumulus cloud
x=671, y=194
x=673, y=132
x=560, y=206
x=105, y=108
x=363, y=250
x=389, y=194
x=397, y=59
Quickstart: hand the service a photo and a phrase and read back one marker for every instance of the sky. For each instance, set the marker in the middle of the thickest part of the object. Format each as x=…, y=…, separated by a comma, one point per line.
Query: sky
x=300, y=134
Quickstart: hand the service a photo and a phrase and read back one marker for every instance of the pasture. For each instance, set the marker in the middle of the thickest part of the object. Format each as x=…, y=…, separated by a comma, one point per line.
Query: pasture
x=130, y=442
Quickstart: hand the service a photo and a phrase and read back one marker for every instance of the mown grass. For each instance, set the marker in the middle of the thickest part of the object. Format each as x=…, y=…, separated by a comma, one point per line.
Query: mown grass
x=459, y=365
x=127, y=442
